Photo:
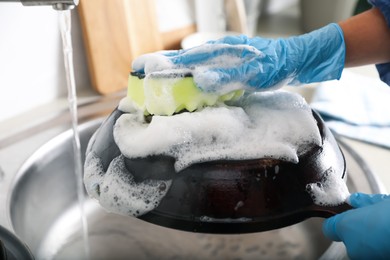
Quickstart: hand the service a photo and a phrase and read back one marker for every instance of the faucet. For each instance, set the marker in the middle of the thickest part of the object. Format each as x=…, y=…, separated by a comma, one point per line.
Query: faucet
x=58, y=5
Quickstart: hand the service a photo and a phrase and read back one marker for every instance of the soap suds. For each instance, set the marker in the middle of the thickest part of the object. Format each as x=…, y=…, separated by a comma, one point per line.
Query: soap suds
x=274, y=124
x=261, y=125
x=117, y=191
x=330, y=191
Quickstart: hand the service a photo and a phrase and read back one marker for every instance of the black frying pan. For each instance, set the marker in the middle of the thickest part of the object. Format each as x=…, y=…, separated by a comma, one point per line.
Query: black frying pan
x=233, y=196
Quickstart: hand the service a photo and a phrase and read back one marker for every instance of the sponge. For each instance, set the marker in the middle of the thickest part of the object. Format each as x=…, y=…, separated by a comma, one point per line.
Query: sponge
x=172, y=94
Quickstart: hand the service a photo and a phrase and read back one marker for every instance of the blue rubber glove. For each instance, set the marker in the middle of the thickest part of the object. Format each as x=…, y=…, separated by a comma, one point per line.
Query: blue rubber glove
x=364, y=230
x=256, y=63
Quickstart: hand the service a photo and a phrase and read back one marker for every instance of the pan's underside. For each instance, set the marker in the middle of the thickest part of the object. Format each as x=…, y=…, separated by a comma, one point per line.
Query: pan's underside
x=232, y=196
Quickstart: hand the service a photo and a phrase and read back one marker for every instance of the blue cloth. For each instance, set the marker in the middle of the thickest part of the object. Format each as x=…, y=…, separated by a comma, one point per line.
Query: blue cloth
x=356, y=106
x=384, y=7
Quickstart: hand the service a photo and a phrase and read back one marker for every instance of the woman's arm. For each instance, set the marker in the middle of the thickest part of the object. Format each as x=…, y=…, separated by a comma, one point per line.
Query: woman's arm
x=367, y=39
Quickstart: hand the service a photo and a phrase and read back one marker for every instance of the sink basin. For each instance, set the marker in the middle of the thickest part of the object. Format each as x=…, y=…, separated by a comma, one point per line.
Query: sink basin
x=45, y=214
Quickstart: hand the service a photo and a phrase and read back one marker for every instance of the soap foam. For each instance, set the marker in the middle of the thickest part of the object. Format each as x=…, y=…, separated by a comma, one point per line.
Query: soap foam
x=117, y=191
x=261, y=125
x=330, y=191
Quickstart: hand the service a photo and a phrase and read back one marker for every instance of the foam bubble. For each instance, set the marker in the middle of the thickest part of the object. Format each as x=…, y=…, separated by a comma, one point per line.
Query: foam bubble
x=152, y=62
x=117, y=191
x=330, y=191
x=128, y=107
x=261, y=125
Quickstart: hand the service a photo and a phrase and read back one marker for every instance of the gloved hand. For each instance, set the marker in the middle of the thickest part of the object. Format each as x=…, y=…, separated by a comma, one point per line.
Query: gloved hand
x=239, y=62
x=364, y=230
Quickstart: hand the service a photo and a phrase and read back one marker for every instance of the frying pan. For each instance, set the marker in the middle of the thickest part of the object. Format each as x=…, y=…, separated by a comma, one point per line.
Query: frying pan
x=231, y=197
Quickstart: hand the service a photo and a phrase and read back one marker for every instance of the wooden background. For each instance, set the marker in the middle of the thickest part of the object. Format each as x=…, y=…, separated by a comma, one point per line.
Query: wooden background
x=117, y=31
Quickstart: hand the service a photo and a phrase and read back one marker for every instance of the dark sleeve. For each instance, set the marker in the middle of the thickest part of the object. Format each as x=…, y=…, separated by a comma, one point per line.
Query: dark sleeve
x=384, y=72
x=384, y=7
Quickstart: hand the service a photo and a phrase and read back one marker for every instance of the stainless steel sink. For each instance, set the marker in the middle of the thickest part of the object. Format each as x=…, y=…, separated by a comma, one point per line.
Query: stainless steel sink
x=43, y=211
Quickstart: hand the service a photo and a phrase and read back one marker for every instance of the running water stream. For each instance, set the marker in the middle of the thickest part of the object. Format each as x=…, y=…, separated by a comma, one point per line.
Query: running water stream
x=65, y=28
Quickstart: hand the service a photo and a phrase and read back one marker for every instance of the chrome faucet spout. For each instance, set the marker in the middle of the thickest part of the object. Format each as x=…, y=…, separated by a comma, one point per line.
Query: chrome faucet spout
x=58, y=5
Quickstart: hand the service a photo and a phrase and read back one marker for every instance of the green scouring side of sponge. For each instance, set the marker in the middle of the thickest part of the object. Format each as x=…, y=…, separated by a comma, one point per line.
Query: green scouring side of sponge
x=166, y=96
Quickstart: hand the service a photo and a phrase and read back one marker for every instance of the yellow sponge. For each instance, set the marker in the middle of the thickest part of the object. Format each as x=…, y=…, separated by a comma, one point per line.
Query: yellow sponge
x=169, y=95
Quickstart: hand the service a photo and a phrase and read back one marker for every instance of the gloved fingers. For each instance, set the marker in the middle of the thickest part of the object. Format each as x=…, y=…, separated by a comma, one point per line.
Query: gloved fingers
x=224, y=80
x=170, y=53
x=257, y=74
x=364, y=231
x=233, y=40
x=151, y=62
x=258, y=42
x=154, y=61
x=358, y=200
x=207, y=55
x=329, y=228
x=212, y=54
x=138, y=64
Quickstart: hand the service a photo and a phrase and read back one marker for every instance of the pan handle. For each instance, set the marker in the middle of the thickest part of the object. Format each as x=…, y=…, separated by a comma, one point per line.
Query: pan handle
x=329, y=211
x=3, y=251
